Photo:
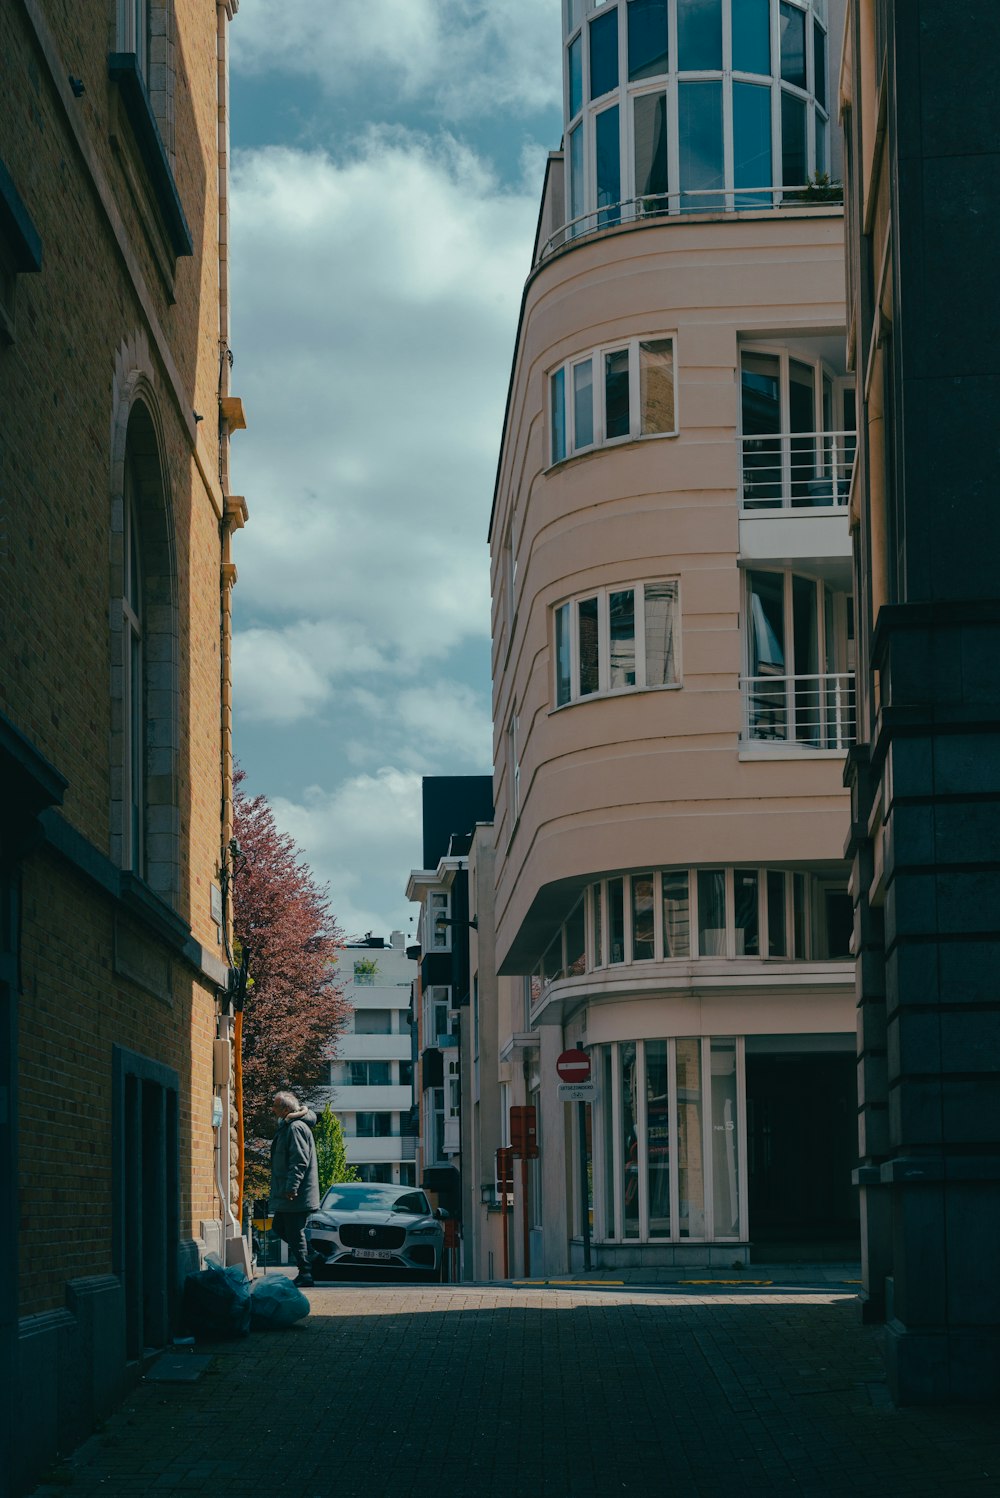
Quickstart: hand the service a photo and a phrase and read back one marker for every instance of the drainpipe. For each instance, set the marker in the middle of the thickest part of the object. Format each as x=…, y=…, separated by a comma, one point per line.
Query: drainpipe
x=234, y=516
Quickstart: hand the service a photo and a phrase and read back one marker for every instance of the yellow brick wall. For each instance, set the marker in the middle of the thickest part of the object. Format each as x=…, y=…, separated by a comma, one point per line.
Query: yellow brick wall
x=56, y=399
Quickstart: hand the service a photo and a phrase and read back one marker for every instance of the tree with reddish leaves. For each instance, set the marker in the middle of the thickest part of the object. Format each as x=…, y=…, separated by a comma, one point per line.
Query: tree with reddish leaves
x=294, y=1009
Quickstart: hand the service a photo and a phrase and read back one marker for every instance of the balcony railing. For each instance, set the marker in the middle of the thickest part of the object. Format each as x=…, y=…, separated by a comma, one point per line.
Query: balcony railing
x=796, y=470
x=814, y=712
x=663, y=205
x=407, y=1141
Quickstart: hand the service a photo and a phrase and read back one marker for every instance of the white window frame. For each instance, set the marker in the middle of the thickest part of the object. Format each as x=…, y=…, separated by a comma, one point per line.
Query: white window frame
x=134, y=32
x=841, y=646
x=596, y=357
x=433, y=996
x=513, y=769
x=604, y=688
x=785, y=353
x=813, y=934
x=667, y=83
x=600, y=1133
x=509, y=579
x=437, y=938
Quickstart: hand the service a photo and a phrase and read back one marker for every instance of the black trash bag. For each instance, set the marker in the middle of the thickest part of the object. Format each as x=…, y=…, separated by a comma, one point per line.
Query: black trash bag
x=275, y=1302
x=217, y=1301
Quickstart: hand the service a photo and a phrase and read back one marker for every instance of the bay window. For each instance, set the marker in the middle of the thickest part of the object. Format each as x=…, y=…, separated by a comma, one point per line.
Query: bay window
x=736, y=89
x=729, y=913
x=617, y=639
x=669, y=1161
x=612, y=394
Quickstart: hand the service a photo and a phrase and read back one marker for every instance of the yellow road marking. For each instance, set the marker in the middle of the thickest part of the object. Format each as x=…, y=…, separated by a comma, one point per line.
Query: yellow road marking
x=582, y=1284
x=724, y=1282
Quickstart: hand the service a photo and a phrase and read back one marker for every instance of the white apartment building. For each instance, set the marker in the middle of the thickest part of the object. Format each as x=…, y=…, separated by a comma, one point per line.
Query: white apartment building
x=673, y=647
x=371, y=1081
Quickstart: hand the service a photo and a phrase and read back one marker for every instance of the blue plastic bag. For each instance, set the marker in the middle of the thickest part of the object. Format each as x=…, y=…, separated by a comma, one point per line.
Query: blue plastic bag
x=217, y=1301
x=275, y=1302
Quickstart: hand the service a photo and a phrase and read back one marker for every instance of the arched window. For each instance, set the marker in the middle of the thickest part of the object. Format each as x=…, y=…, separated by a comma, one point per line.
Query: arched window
x=145, y=818
x=133, y=685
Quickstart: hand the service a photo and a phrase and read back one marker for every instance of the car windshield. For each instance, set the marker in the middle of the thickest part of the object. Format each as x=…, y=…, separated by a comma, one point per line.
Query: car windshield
x=365, y=1196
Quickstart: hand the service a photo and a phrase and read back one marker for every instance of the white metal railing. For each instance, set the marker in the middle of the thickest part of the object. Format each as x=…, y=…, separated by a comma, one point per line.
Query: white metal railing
x=662, y=205
x=817, y=712
x=407, y=1141
x=796, y=470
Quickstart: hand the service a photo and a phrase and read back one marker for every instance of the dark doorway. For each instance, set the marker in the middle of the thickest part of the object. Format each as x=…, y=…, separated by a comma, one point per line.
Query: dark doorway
x=801, y=1149
x=146, y=1220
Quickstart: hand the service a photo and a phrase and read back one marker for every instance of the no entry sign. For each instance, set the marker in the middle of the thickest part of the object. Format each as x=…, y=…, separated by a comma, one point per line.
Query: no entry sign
x=574, y=1066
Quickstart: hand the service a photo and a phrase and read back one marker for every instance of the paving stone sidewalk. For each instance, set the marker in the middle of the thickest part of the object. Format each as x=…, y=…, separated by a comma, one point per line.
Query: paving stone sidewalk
x=574, y=1392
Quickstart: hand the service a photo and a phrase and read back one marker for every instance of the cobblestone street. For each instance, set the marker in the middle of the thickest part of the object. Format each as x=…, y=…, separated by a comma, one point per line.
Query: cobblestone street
x=569, y=1392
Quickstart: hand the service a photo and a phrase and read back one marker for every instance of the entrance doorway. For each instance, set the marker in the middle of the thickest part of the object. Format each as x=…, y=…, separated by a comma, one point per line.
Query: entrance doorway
x=801, y=1149
x=147, y=1197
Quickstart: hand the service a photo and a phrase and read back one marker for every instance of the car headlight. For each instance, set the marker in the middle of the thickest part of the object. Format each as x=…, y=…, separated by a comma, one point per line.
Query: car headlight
x=425, y=1232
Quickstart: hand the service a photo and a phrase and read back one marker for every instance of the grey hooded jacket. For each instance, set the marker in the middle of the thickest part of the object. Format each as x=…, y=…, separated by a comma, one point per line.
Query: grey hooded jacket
x=293, y=1164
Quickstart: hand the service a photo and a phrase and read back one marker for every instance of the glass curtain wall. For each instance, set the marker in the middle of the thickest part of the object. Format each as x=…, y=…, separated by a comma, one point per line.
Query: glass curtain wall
x=669, y=1129
x=678, y=106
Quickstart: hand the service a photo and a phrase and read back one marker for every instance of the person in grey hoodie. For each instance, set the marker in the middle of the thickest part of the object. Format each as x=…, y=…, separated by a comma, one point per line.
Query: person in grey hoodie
x=294, y=1177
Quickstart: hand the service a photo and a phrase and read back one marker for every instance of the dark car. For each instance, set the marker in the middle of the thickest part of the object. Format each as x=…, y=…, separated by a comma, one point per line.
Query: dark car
x=367, y=1224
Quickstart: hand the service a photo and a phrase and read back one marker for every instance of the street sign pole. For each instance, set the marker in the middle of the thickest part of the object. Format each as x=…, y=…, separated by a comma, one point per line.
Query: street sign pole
x=584, y=1185
x=575, y=1086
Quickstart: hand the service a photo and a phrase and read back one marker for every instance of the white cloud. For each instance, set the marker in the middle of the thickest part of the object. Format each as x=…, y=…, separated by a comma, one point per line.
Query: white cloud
x=441, y=727
x=362, y=838
x=375, y=308
x=468, y=57
x=375, y=303
x=278, y=684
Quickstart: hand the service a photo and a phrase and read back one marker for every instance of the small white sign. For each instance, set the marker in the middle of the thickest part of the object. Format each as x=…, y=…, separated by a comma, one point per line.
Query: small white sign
x=577, y=1092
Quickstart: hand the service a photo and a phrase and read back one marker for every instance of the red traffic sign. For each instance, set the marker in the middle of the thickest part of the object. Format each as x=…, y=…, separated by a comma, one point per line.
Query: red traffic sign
x=574, y=1066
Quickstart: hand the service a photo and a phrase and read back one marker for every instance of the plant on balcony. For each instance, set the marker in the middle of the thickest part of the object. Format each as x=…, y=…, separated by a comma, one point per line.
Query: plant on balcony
x=331, y=1152
x=819, y=189
x=365, y=970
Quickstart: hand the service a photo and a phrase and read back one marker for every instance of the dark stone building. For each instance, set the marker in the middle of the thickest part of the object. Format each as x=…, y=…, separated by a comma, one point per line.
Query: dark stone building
x=923, y=173
x=452, y=805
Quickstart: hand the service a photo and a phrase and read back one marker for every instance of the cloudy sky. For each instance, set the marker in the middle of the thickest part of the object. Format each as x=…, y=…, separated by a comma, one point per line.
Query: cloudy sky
x=388, y=160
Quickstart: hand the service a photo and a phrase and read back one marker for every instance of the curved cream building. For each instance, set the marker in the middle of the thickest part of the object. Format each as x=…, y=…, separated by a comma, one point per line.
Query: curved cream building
x=673, y=646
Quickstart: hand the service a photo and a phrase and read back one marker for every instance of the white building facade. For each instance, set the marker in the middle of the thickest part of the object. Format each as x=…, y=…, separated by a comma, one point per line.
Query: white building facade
x=371, y=1081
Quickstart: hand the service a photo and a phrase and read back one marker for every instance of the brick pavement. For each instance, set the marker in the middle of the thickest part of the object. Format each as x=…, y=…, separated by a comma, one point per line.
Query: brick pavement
x=561, y=1393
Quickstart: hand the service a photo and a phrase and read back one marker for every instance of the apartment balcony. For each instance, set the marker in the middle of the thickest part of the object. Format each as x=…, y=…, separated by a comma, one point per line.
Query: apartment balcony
x=369, y=1099
x=796, y=471
x=362, y=1149
x=811, y=713
x=374, y=1047
x=667, y=207
x=793, y=494
x=384, y=996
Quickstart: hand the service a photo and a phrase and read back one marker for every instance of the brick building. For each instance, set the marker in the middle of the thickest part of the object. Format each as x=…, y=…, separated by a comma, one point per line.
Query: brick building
x=115, y=801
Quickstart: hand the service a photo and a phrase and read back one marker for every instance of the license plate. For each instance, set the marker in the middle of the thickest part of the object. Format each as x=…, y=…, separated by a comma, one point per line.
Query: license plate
x=372, y=1253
